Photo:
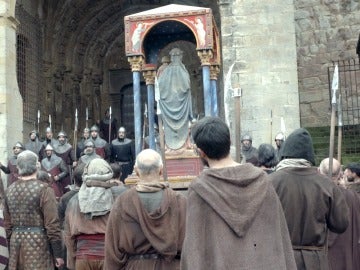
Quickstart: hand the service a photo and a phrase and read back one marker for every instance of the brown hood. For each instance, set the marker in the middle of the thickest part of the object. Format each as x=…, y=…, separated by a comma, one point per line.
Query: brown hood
x=235, y=194
x=163, y=228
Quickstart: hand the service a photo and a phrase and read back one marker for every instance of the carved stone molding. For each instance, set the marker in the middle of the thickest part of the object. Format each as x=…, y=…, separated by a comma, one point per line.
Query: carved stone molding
x=205, y=57
x=214, y=72
x=149, y=74
x=136, y=62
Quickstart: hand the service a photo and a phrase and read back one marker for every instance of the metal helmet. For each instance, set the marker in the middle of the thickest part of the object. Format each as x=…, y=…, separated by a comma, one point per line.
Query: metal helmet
x=62, y=133
x=89, y=144
x=33, y=131
x=19, y=145
x=48, y=129
x=49, y=148
x=94, y=128
x=246, y=137
x=280, y=136
x=121, y=129
x=86, y=130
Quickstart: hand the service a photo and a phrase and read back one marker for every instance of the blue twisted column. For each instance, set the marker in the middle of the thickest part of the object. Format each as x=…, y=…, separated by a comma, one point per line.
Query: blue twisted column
x=149, y=75
x=136, y=65
x=214, y=72
x=205, y=56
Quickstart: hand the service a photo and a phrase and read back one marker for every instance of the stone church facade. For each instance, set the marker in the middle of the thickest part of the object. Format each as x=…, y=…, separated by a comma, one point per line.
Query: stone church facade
x=58, y=56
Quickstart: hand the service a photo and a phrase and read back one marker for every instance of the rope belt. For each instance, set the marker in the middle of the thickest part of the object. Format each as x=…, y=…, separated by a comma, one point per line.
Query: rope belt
x=152, y=256
x=310, y=248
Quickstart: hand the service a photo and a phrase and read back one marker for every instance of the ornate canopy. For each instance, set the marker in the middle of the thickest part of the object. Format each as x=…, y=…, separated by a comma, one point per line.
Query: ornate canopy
x=149, y=31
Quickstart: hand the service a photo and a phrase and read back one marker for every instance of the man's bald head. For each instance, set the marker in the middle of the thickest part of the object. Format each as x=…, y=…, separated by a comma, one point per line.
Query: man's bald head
x=148, y=162
x=336, y=168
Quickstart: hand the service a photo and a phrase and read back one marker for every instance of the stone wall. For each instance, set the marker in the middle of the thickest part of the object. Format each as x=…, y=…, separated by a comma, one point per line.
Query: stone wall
x=10, y=99
x=326, y=31
x=259, y=37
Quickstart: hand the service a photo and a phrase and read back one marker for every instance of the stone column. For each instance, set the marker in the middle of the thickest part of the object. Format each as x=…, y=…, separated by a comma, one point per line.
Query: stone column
x=205, y=56
x=149, y=75
x=214, y=73
x=136, y=65
x=11, y=107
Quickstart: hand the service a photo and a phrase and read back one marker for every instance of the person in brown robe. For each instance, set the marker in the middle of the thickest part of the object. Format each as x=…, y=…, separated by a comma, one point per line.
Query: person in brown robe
x=86, y=216
x=146, y=227
x=344, y=248
x=234, y=218
x=31, y=220
x=312, y=204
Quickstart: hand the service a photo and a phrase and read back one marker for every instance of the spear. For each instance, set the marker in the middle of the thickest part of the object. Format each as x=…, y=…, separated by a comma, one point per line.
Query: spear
x=110, y=125
x=87, y=117
x=340, y=125
x=38, y=120
x=50, y=121
x=75, y=131
x=237, y=99
x=334, y=87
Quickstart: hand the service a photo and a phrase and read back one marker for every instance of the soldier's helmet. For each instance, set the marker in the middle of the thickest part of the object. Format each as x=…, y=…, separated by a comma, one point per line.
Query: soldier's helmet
x=89, y=144
x=122, y=129
x=280, y=136
x=94, y=128
x=246, y=137
x=48, y=130
x=49, y=148
x=19, y=145
x=62, y=133
x=86, y=130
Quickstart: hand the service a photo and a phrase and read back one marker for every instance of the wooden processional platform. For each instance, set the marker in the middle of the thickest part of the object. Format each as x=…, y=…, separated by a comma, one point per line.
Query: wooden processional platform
x=181, y=169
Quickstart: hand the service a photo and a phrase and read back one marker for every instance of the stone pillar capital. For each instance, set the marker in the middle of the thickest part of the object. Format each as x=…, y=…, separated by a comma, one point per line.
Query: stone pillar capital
x=205, y=57
x=136, y=62
x=149, y=73
x=214, y=71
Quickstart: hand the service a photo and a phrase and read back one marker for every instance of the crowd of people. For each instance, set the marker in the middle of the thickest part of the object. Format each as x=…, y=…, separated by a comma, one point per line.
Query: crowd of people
x=69, y=209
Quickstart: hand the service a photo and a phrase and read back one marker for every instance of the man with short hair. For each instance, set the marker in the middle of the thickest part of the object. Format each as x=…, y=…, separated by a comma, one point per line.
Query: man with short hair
x=234, y=217
x=351, y=177
x=123, y=153
x=31, y=220
x=11, y=168
x=57, y=168
x=344, y=248
x=102, y=148
x=147, y=229
x=312, y=204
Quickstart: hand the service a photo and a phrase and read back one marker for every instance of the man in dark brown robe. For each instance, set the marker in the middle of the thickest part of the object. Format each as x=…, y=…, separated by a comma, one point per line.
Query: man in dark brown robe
x=86, y=216
x=312, y=204
x=234, y=218
x=344, y=248
x=31, y=220
x=146, y=227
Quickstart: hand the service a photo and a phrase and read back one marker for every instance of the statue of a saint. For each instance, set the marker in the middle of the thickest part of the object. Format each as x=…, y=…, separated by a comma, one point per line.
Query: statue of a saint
x=175, y=101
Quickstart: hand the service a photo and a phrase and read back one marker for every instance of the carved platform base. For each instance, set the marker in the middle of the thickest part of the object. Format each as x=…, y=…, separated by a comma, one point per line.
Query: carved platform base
x=181, y=170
